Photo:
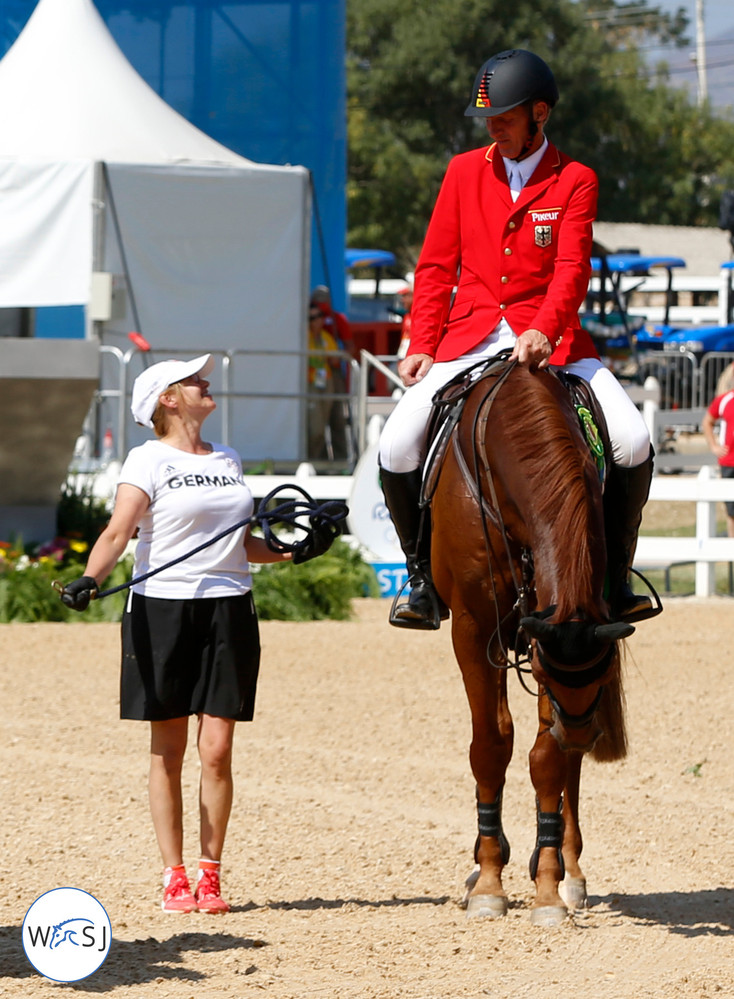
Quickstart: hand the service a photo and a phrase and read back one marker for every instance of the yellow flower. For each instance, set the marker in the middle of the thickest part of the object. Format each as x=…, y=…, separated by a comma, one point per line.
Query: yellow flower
x=78, y=546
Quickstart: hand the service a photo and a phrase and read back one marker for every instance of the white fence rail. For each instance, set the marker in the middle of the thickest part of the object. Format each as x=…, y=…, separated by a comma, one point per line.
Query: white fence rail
x=705, y=549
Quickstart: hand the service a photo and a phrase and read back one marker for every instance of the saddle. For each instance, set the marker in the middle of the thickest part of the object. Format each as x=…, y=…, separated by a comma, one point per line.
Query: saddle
x=449, y=401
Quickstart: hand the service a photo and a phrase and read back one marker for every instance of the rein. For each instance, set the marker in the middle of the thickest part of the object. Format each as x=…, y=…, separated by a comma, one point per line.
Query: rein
x=511, y=658
x=448, y=407
x=329, y=515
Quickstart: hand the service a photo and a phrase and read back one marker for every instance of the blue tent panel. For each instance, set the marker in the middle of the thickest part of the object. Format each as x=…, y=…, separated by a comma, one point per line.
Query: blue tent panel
x=266, y=78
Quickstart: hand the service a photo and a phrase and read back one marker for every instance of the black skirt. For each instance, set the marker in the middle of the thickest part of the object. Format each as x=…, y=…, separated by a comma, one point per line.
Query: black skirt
x=184, y=657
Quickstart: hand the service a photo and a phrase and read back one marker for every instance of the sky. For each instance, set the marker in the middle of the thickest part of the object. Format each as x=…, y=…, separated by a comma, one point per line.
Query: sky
x=718, y=21
x=718, y=15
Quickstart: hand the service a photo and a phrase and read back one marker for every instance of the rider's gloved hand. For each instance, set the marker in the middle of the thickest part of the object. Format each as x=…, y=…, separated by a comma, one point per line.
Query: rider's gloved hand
x=79, y=592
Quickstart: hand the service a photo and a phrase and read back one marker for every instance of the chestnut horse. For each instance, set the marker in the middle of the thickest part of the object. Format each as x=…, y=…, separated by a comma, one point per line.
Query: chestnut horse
x=518, y=555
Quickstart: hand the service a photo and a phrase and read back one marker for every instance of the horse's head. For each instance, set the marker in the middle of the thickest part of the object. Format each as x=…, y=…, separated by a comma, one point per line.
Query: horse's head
x=573, y=659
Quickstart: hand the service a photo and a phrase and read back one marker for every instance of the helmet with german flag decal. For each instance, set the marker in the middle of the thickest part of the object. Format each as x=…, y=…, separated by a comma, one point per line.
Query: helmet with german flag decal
x=509, y=79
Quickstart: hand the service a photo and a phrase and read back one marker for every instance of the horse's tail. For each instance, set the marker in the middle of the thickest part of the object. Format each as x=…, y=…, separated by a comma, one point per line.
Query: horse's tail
x=612, y=744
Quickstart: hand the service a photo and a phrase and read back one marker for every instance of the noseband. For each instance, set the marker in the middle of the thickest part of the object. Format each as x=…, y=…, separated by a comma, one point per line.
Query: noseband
x=570, y=721
x=576, y=676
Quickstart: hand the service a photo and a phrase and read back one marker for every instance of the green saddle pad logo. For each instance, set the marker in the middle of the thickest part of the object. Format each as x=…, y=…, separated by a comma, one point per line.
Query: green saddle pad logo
x=593, y=437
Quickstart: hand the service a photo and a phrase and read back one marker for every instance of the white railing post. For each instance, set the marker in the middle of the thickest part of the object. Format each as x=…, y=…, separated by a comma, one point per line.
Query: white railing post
x=705, y=530
x=651, y=404
x=725, y=295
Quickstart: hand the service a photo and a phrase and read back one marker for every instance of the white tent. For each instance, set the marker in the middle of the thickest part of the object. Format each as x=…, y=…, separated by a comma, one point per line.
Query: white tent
x=99, y=175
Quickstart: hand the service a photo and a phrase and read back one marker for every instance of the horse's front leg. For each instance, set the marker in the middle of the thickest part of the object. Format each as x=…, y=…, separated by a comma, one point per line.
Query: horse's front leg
x=490, y=754
x=548, y=770
x=573, y=887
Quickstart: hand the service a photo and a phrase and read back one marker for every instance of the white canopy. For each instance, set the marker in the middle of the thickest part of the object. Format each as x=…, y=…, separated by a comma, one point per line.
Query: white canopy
x=70, y=93
x=97, y=173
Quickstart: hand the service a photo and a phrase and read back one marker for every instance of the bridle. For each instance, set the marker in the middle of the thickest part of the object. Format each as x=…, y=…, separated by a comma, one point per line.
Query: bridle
x=568, y=720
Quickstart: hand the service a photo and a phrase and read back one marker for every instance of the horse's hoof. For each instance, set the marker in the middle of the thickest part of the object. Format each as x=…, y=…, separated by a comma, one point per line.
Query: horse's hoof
x=486, y=906
x=548, y=915
x=573, y=893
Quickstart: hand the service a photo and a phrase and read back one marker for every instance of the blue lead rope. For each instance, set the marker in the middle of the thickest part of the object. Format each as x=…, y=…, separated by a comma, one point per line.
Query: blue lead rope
x=330, y=515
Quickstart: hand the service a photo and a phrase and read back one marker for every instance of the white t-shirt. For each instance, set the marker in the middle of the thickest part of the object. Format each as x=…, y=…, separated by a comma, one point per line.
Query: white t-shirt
x=193, y=497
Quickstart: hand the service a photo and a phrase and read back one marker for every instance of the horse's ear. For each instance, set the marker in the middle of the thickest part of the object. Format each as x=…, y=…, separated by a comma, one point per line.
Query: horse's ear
x=609, y=633
x=537, y=628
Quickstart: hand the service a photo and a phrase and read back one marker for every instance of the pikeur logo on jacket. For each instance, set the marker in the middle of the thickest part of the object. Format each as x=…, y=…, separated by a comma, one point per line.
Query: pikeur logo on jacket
x=513, y=260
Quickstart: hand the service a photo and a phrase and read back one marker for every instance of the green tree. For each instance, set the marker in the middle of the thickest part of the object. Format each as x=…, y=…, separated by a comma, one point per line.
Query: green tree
x=410, y=67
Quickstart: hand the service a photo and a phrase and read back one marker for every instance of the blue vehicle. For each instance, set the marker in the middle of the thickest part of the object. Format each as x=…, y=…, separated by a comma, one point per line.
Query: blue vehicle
x=697, y=340
x=617, y=335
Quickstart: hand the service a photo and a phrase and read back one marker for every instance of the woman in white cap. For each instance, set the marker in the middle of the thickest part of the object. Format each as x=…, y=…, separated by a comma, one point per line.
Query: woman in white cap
x=190, y=643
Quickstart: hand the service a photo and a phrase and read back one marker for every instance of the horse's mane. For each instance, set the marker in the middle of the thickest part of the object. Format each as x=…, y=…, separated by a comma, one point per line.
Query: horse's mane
x=553, y=465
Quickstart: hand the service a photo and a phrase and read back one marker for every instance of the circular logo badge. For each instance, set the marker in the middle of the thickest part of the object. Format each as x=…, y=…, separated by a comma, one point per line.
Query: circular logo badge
x=66, y=934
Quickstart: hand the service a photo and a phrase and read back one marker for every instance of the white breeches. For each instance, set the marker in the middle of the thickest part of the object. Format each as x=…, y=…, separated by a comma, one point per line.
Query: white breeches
x=403, y=438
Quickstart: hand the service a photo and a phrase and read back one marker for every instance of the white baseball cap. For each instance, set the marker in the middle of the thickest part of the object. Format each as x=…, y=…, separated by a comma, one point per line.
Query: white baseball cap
x=149, y=385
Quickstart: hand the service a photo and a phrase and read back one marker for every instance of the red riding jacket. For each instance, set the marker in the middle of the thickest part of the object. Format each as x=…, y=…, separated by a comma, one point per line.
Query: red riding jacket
x=527, y=261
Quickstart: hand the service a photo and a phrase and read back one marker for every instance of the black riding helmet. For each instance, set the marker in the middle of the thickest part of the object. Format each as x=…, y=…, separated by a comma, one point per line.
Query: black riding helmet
x=509, y=79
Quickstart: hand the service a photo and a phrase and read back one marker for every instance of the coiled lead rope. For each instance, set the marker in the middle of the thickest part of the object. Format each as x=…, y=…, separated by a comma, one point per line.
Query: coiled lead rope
x=324, y=519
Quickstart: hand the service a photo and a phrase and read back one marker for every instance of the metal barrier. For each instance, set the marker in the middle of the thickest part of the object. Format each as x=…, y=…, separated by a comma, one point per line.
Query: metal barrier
x=110, y=407
x=685, y=384
x=107, y=411
x=714, y=374
x=379, y=406
x=677, y=374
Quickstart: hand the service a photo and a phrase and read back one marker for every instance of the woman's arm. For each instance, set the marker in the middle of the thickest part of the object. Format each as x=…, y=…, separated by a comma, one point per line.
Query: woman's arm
x=130, y=505
x=714, y=445
x=258, y=551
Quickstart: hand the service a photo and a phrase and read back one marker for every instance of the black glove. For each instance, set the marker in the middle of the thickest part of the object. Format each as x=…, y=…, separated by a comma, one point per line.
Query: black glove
x=79, y=592
x=326, y=526
x=318, y=541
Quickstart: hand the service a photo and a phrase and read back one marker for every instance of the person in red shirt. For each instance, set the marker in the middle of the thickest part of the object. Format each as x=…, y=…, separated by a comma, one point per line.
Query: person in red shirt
x=721, y=411
x=335, y=323
x=506, y=264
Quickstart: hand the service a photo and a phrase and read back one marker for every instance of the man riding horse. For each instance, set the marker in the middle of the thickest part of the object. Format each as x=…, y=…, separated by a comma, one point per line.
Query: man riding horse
x=506, y=265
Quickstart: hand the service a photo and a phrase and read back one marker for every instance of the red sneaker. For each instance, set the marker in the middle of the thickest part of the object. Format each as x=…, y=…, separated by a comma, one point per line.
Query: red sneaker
x=208, y=896
x=177, y=895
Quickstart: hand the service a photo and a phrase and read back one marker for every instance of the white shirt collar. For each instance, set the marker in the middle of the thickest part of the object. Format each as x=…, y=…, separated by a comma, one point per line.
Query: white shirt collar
x=521, y=171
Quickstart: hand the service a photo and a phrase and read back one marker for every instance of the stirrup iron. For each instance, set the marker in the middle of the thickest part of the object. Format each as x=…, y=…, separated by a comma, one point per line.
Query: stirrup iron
x=431, y=623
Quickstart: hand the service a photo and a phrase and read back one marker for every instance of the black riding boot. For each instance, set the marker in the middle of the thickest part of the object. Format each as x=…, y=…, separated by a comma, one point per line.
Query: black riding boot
x=625, y=495
x=423, y=608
